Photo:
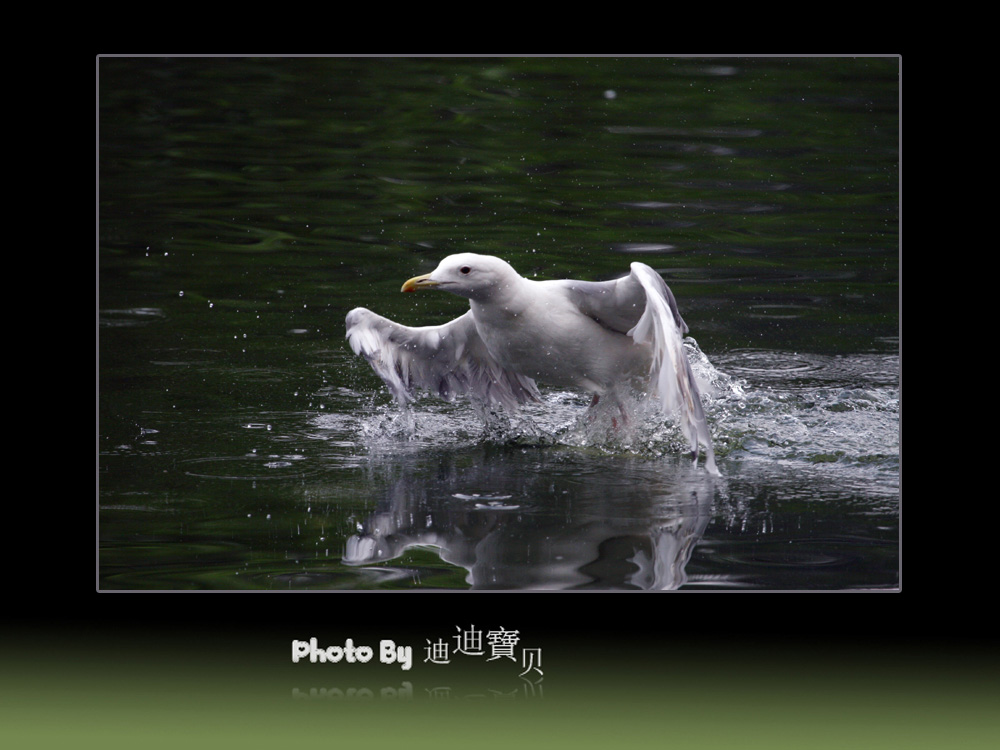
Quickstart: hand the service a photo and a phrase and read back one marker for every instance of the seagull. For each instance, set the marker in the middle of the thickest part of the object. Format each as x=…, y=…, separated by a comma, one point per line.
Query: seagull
x=590, y=336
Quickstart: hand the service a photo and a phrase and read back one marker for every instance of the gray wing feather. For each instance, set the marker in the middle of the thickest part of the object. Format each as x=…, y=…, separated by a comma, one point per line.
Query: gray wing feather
x=642, y=306
x=670, y=370
x=618, y=304
x=448, y=360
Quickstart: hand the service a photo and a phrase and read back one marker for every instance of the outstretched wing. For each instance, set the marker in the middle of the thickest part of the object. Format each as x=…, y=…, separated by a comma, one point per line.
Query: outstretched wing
x=618, y=304
x=642, y=306
x=448, y=360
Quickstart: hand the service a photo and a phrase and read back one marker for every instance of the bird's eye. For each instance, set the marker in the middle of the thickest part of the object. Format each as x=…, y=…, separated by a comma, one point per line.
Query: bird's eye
x=465, y=269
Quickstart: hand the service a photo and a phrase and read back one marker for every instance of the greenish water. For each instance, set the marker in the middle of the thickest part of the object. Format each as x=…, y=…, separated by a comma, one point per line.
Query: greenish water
x=245, y=205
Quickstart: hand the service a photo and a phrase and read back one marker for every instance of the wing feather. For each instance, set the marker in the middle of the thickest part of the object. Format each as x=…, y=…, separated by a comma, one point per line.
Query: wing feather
x=618, y=304
x=448, y=360
x=642, y=306
x=670, y=371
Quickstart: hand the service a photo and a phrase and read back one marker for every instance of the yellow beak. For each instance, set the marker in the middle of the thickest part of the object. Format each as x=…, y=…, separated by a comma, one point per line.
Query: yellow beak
x=419, y=282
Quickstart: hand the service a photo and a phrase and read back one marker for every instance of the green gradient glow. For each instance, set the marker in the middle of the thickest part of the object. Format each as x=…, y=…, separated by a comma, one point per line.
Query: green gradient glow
x=130, y=695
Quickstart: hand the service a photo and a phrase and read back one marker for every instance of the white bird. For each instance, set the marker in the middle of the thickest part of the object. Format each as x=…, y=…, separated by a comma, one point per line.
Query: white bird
x=586, y=335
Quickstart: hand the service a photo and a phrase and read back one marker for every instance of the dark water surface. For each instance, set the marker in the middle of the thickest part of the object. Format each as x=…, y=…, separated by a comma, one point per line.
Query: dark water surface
x=246, y=205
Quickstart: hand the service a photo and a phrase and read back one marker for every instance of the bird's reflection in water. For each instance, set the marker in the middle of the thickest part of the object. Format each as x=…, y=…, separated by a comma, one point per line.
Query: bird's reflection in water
x=539, y=519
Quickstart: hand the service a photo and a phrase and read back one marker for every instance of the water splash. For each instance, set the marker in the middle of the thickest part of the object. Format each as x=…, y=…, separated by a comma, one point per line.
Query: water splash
x=772, y=407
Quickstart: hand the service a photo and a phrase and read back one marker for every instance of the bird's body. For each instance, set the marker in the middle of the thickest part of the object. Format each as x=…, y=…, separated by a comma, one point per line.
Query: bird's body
x=542, y=334
x=585, y=335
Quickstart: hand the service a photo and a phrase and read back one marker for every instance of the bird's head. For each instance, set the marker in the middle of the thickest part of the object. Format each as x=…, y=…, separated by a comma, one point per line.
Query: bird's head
x=477, y=277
